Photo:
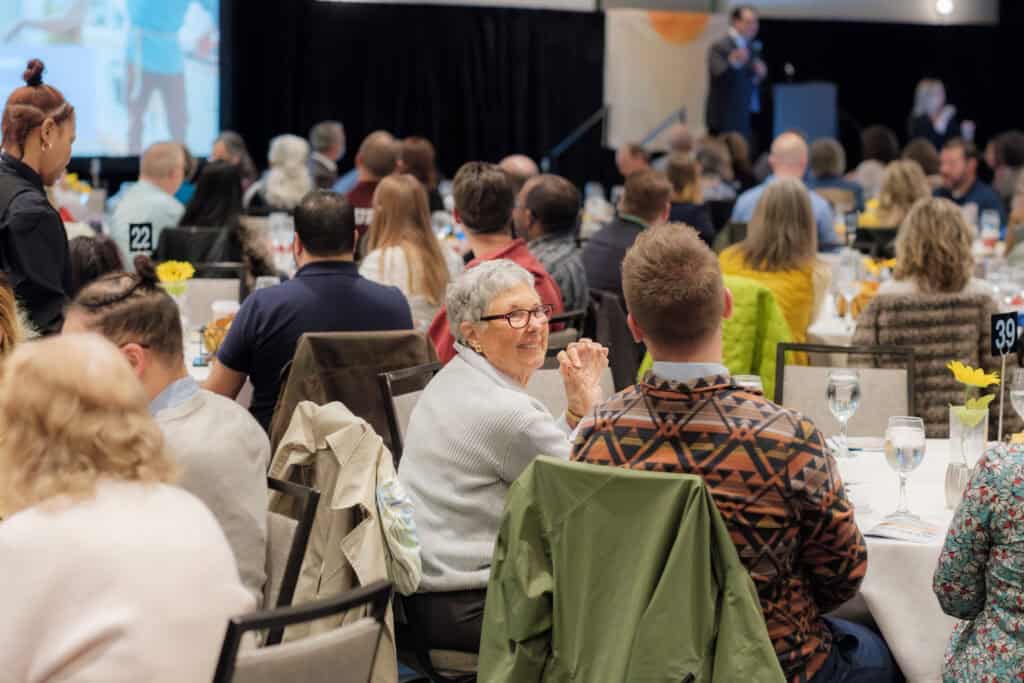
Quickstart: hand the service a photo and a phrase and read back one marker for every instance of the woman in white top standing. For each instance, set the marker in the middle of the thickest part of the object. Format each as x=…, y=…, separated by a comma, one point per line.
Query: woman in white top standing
x=109, y=572
x=403, y=250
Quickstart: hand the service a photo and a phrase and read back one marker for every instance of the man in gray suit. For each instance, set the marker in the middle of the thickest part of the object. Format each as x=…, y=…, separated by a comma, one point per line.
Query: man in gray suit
x=735, y=70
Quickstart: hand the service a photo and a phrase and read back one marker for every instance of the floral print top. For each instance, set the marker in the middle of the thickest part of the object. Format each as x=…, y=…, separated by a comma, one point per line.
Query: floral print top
x=980, y=577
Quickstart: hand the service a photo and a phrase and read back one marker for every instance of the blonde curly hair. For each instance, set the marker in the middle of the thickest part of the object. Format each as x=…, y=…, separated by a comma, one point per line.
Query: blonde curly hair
x=934, y=247
x=903, y=185
x=73, y=413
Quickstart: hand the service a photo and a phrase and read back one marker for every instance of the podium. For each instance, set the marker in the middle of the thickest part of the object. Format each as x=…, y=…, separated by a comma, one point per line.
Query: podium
x=811, y=108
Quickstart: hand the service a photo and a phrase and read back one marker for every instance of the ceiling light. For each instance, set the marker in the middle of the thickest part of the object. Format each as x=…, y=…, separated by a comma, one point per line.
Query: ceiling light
x=944, y=7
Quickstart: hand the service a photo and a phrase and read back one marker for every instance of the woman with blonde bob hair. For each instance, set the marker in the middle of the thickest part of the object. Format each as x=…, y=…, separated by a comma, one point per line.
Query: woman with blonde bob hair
x=403, y=250
x=933, y=252
x=98, y=552
x=903, y=185
x=780, y=251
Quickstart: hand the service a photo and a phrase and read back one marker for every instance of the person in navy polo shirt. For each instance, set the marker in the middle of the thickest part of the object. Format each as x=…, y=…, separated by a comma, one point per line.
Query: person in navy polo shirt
x=959, y=169
x=327, y=294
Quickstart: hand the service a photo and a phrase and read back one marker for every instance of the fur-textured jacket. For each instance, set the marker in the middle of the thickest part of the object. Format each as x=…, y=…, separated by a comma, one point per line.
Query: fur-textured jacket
x=940, y=328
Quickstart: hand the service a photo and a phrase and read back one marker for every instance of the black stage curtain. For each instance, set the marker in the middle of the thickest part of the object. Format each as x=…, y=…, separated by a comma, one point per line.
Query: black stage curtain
x=480, y=83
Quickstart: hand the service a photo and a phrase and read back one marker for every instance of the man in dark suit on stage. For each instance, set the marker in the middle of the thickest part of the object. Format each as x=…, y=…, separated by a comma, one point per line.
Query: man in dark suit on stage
x=735, y=70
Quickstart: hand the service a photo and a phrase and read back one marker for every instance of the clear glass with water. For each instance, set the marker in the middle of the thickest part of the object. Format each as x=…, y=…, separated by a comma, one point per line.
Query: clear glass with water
x=843, y=395
x=846, y=280
x=904, y=451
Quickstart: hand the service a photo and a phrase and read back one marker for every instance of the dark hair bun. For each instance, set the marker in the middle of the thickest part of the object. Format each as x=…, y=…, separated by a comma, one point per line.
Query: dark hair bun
x=34, y=72
x=146, y=271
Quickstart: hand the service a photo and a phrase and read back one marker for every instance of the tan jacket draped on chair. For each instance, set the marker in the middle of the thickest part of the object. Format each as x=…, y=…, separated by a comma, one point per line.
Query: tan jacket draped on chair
x=359, y=536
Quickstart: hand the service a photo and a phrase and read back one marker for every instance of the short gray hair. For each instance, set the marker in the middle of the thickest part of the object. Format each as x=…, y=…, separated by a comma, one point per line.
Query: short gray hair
x=326, y=134
x=473, y=291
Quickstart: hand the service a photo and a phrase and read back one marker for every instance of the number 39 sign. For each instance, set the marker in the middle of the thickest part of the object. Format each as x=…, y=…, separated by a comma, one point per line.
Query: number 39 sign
x=1004, y=333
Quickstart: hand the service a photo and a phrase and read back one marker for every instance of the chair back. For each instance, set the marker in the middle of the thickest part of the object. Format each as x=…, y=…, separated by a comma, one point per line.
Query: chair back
x=842, y=200
x=287, y=539
x=547, y=387
x=732, y=233
x=344, y=653
x=884, y=392
x=343, y=366
x=720, y=210
x=401, y=390
x=608, y=316
x=876, y=242
x=189, y=243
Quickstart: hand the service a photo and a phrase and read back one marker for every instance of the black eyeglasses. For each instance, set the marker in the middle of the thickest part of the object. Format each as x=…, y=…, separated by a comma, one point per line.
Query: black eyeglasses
x=520, y=318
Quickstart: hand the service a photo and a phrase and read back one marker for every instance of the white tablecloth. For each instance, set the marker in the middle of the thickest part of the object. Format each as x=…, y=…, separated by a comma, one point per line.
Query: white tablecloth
x=897, y=588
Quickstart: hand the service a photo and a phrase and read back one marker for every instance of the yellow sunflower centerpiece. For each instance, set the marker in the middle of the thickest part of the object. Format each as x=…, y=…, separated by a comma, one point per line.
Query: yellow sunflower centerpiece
x=174, y=276
x=968, y=423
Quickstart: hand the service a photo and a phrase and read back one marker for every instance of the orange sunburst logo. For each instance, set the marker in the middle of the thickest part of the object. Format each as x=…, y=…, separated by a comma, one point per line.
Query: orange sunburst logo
x=679, y=27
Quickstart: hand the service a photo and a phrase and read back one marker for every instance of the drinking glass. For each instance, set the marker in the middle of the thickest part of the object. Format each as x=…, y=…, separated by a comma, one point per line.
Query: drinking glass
x=904, y=451
x=1017, y=391
x=843, y=395
x=846, y=280
x=749, y=382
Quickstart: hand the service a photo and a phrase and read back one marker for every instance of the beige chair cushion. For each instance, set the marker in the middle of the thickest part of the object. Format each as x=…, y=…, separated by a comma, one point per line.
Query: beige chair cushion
x=280, y=534
x=546, y=386
x=342, y=654
x=883, y=393
x=403, y=409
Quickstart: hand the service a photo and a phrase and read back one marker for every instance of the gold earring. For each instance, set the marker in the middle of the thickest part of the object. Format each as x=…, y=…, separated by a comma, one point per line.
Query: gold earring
x=46, y=146
x=476, y=347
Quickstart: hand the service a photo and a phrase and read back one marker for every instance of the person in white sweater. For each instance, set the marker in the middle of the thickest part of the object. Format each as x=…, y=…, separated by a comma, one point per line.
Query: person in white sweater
x=474, y=430
x=222, y=451
x=403, y=250
x=109, y=573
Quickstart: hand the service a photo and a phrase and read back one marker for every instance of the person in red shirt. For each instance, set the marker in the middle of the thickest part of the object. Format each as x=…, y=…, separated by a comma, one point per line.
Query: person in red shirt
x=376, y=158
x=484, y=198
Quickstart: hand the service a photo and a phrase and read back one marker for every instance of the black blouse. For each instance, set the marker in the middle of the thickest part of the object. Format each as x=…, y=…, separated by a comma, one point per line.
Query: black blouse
x=33, y=246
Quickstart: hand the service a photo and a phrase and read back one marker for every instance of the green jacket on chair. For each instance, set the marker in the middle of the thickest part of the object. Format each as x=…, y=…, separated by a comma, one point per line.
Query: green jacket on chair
x=609, y=575
x=750, y=336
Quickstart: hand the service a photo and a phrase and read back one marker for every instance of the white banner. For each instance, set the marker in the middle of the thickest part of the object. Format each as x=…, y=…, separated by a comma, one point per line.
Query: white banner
x=655, y=63
x=573, y=5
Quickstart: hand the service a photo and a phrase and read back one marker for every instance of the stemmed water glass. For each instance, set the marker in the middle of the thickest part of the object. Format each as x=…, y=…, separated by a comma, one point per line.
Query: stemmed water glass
x=846, y=280
x=1017, y=391
x=843, y=393
x=904, y=451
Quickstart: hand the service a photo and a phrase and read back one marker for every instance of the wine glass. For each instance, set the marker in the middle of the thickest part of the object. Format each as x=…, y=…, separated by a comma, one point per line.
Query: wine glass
x=749, y=382
x=843, y=395
x=1017, y=391
x=904, y=451
x=846, y=280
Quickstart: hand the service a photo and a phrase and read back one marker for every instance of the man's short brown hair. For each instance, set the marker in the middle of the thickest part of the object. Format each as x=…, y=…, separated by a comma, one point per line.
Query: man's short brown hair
x=379, y=153
x=646, y=194
x=484, y=197
x=673, y=286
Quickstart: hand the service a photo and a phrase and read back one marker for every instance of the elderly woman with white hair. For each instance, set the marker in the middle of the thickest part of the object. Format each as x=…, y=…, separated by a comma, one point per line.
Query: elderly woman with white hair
x=286, y=182
x=474, y=430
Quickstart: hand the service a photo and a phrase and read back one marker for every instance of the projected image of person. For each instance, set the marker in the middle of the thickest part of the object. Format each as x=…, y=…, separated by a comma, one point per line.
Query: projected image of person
x=59, y=28
x=156, y=62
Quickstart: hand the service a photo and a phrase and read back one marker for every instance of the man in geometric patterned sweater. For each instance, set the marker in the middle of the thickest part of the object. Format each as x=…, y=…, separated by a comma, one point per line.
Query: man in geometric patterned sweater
x=766, y=467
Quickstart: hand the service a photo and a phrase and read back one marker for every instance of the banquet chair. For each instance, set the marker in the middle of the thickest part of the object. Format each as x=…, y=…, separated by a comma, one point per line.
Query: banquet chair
x=732, y=233
x=606, y=324
x=721, y=211
x=401, y=390
x=188, y=243
x=344, y=653
x=879, y=243
x=842, y=201
x=884, y=392
x=439, y=666
x=343, y=366
x=547, y=387
x=287, y=539
x=571, y=330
